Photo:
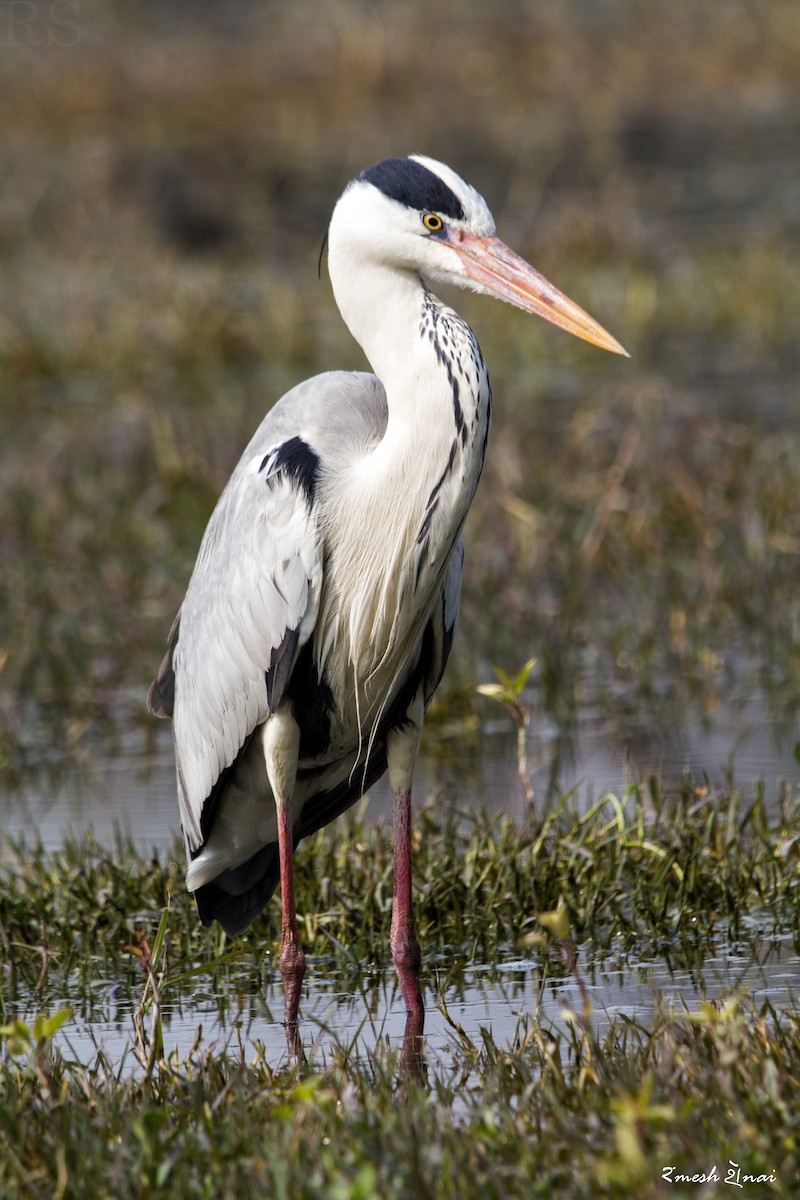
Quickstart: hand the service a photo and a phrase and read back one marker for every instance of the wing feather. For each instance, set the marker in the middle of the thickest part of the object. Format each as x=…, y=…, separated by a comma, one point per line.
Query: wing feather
x=253, y=599
x=251, y=605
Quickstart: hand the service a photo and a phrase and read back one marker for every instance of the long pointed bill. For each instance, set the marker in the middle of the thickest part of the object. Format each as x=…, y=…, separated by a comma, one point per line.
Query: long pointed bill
x=503, y=273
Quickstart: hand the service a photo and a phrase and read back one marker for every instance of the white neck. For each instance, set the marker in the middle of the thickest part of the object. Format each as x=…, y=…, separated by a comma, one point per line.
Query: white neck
x=413, y=490
x=384, y=307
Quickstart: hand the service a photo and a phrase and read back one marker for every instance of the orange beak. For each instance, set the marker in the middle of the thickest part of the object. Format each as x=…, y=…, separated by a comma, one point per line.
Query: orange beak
x=502, y=273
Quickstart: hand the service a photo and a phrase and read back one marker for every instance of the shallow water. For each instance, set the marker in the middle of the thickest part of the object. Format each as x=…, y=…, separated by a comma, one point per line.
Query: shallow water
x=500, y=1001
x=131, y=790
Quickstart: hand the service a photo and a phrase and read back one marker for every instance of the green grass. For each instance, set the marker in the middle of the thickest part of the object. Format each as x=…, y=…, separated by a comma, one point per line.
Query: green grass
x=551, y=1115
x=652, y=875
x=560, y=1110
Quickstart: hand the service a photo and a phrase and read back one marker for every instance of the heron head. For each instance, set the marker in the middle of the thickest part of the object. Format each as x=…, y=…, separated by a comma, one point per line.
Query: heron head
x=417, y=214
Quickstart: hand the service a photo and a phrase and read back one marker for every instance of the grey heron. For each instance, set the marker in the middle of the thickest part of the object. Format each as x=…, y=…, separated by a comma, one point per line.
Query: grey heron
x=321, y=610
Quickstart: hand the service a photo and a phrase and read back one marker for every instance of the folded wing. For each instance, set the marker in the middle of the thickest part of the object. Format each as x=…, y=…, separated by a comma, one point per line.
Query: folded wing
x=251, y=605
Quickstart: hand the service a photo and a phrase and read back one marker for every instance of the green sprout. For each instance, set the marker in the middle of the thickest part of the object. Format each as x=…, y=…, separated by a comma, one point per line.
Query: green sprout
x=509, y=691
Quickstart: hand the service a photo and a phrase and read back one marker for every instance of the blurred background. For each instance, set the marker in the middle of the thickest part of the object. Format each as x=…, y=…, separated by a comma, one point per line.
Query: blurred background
x=167, y=171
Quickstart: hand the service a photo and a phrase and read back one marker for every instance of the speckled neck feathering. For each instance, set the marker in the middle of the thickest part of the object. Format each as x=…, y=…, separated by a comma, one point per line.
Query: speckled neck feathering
x=320, y=614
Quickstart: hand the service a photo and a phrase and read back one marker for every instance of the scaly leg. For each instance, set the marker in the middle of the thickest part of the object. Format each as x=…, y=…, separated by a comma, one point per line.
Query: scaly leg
x=293, y=960
x=401, y=753
x=405, y=947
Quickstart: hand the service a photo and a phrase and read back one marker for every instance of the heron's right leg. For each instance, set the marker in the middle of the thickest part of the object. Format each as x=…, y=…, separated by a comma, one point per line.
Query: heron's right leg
x=281, y=750
x=401, y=752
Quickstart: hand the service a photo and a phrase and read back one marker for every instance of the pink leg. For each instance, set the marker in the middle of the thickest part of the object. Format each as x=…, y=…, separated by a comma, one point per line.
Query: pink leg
x=412, y=1062
x=405, y=947
x=293, y=960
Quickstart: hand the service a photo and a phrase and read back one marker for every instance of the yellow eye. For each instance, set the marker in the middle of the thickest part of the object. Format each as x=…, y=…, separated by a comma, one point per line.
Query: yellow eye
x=432, y=222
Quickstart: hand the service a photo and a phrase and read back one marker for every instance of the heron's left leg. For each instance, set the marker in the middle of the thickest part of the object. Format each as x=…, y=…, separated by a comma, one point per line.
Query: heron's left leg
x=401, y=753
x=281, y=750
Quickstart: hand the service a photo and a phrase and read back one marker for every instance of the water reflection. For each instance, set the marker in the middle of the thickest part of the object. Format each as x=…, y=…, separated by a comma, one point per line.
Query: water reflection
x=499, y=1001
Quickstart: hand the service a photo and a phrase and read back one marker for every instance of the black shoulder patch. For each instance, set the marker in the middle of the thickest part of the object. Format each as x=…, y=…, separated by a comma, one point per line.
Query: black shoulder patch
x=408, y=182
x=298, y=460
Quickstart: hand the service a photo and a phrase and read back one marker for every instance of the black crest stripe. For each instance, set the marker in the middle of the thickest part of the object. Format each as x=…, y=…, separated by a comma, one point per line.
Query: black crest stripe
x=409, y=183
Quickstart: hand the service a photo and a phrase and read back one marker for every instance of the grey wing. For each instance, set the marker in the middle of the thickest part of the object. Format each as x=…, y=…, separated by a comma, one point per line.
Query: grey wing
x=251, y=604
